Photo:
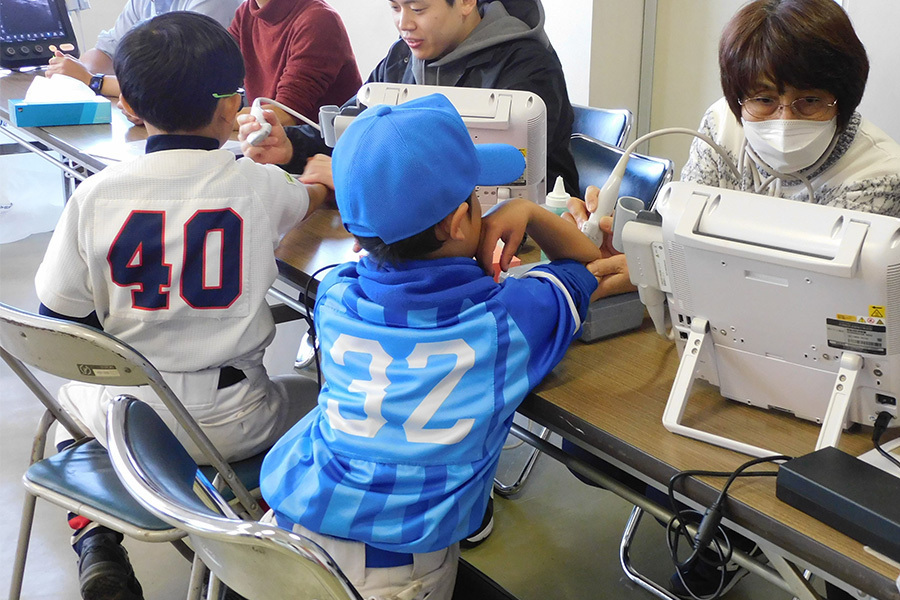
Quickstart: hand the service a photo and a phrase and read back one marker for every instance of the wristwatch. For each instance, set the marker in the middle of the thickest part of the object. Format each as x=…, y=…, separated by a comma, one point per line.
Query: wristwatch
x=96, y=83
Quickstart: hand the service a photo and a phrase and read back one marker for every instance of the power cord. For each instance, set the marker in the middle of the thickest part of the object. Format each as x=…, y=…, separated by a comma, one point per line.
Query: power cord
x=881, y=423
x=310, y=325
x=257, y=137
x=709, y=530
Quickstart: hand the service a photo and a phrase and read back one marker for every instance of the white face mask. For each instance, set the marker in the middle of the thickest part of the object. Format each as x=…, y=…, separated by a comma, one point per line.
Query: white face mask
x=789, y=145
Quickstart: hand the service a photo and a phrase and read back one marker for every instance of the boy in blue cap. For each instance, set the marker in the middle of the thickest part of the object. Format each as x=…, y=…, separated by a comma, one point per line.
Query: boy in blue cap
x=425, y=357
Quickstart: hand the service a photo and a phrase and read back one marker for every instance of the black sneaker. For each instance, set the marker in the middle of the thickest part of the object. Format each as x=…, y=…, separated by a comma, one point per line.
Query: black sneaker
x=104, y=570
x=484, y=530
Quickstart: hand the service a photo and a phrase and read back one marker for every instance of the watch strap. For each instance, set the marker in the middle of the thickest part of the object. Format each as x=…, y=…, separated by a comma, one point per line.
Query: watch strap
x=96, y=83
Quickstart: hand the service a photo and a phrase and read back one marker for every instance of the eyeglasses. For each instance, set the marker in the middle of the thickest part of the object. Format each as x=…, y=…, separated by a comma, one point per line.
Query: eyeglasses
x=808, y=107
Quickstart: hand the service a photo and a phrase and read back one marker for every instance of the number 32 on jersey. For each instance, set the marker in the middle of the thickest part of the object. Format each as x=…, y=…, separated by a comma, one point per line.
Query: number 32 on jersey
x=211, y=276
x=375, y=388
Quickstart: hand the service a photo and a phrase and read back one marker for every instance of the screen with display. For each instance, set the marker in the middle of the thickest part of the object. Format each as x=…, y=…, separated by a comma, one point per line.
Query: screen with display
x=30, y=20
x=29, y=27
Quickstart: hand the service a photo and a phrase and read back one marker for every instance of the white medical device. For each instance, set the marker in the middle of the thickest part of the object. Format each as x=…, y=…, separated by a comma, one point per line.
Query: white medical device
x=782, y=304
x=510, y=117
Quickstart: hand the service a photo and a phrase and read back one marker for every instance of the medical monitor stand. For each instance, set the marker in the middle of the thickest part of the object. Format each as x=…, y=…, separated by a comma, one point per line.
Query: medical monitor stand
x=698, y=342
x=782, y=305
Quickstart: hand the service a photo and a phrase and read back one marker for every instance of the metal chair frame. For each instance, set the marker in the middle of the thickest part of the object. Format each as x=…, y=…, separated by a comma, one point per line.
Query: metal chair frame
x=67, y=349
x=256, y=560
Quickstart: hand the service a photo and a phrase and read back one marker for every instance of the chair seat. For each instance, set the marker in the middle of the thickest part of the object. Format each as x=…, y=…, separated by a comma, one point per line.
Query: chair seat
x=247, y=472
x=84, y=473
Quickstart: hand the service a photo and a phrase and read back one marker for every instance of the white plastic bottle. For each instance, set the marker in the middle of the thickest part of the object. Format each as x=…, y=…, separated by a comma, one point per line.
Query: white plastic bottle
x=556, y=202
x=557, y=199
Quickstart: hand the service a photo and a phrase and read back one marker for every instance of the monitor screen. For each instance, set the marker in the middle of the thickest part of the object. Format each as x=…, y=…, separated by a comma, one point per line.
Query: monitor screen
x=799, y=303
x=30, y=20
x=510, y=117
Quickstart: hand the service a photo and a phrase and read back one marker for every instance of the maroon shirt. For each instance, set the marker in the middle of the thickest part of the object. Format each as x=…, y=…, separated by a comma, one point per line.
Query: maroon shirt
x=296, y=52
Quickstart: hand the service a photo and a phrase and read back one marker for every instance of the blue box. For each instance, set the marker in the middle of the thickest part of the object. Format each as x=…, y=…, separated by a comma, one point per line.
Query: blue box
x=46, y=114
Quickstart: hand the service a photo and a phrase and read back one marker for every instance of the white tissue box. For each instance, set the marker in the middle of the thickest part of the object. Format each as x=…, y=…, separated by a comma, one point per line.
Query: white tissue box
x=46, y=114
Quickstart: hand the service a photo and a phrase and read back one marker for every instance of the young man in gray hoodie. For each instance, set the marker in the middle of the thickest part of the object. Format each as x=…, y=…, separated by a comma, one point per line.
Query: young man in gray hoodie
x=498, y=44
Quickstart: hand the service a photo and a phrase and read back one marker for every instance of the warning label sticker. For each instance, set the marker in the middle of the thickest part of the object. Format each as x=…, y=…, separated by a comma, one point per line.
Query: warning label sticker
x=864, y=334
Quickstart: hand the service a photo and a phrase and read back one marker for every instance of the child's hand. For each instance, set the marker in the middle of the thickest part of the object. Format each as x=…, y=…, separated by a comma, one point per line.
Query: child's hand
x=66, y=64
x=318, y=170
x=275, y=149
x=612, y=276
x=506, y=222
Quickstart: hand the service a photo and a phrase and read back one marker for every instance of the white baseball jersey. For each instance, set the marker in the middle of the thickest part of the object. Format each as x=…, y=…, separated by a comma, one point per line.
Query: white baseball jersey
x=174, y=251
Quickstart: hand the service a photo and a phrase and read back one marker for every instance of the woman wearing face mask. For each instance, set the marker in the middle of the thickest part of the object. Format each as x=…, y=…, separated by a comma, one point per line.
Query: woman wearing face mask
x=793, y=73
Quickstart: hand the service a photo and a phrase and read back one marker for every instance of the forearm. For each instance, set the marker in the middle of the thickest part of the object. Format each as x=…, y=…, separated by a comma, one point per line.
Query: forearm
x=97, y=61
x=559, y=238
x=319, y=196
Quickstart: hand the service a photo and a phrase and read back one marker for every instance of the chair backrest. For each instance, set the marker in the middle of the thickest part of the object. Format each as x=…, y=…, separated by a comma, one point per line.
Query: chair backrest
x=82, y=353
x=595, y=160
x=610, y=125
x=255, y=560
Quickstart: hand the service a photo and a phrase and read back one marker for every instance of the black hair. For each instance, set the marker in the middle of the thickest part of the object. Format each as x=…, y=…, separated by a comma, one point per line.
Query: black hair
x=170, y=66
x=807, y=44
x=412, y=248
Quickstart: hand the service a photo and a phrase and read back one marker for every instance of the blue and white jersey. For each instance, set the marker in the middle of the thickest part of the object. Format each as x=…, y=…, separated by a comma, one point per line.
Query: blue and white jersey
x=425, y=364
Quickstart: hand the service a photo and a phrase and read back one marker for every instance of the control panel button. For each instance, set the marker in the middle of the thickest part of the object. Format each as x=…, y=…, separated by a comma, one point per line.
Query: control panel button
x=25, y=50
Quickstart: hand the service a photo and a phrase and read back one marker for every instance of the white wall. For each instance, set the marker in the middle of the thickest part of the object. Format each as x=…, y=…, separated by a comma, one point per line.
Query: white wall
x=89, y=23
x=876, y=23
x=685, y=69
x=371, y=30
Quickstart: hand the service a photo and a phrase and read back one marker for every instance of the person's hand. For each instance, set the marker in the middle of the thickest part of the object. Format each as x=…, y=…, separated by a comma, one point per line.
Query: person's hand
x=612, y=276
x=135, y=120
x=318, y=170
x=580, y=210
x=275, y=149
x=507, y=222
x=66, y=64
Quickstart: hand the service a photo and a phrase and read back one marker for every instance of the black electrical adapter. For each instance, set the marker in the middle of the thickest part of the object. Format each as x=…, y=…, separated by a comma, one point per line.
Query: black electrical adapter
x=846, y=493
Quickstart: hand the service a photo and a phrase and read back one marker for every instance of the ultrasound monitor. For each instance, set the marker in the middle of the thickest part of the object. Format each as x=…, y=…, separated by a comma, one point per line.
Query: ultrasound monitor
x=512, y=117
x=29, y=27
x=783, y=305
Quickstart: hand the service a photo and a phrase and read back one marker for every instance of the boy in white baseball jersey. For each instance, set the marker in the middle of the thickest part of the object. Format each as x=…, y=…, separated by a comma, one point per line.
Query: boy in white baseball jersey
x=425, y=357
x=173, y=253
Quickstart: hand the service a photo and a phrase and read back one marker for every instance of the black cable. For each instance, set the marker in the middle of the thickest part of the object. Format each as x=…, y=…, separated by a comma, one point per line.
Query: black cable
x=881, y=423
x=311, y=327
x=709, y=530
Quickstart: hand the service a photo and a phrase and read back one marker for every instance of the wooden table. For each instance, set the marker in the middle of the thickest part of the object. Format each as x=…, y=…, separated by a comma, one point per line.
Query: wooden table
x=608, y=397
x=84, y=149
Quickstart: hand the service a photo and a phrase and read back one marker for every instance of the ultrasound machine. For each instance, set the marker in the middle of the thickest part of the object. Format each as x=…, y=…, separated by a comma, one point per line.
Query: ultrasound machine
x=29, y=27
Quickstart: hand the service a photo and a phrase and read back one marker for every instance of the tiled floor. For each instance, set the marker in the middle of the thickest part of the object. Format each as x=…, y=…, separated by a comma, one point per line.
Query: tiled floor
x=557, y=540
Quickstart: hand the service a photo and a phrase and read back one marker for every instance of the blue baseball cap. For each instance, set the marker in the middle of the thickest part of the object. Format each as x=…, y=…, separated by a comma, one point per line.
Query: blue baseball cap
x=399, y=170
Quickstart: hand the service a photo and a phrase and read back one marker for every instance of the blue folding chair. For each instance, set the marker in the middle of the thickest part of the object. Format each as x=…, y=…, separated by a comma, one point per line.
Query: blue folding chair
x=258, y=561
x=595, y=160
x=609, y=125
